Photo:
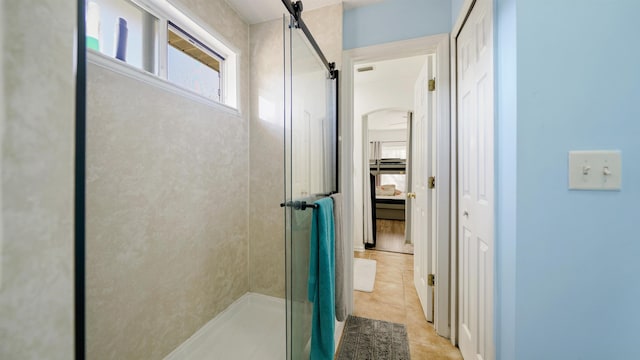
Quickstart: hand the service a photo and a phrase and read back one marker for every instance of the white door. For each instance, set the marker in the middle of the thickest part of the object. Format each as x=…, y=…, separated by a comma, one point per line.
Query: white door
x=475, y=183
x=423, y=209
x=301, y=153
x=316, y=154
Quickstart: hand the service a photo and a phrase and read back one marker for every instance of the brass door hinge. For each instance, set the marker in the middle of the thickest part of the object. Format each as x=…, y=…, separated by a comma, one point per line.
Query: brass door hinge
x=431, y=280
x=432, y=182
x=432, y=84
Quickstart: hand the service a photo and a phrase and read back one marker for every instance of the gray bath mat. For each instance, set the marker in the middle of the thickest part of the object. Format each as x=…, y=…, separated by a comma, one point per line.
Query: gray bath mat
x=368, y=339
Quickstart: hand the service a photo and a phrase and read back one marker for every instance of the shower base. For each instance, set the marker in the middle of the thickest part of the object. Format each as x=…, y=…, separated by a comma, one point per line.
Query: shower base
x=253, y=327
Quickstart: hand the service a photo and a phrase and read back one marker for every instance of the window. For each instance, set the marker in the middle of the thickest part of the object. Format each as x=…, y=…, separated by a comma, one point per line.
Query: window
x=393, y=150
x=193, y=65
x=123, y=30
x=388, y=162
x=187, y=55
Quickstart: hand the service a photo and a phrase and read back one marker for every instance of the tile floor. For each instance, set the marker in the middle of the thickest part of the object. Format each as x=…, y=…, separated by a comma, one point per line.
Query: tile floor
x=395, y=299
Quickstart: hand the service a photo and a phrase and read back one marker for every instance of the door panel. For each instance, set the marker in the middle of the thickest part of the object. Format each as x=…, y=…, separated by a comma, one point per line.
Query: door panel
x=423, y=208
x=418, y=225
x=302, y=154
x=475, y=171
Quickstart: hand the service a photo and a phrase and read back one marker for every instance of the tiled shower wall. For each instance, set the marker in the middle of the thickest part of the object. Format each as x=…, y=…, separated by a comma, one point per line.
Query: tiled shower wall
x=167, y=217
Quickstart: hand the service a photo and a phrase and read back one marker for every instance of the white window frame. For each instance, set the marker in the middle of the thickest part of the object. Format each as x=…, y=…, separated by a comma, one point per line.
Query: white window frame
x=167, y=11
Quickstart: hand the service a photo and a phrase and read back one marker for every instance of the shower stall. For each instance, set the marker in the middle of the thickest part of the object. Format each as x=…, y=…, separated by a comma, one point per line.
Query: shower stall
x=170, y=268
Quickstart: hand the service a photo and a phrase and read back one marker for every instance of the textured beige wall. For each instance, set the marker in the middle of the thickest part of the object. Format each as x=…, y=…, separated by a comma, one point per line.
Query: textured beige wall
x=266, y=229
x=3, y=113
x=36, y=294
x=326, y=26
x=167, y=216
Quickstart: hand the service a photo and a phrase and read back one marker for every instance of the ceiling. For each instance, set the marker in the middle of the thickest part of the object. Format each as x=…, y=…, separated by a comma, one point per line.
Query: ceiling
x=387, y=86
x=406, y=69
x=388, y=120
x=257, y=11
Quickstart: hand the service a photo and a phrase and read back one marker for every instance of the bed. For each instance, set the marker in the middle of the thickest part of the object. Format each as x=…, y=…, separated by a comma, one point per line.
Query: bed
x=390, y=207
x=389, y=201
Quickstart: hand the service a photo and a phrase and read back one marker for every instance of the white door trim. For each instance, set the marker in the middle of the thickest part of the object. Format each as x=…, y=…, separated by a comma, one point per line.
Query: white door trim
x=438, y=44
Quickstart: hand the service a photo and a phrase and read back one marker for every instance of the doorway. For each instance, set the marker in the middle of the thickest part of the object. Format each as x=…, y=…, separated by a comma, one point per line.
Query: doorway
x=353, y=170
x=386, y=148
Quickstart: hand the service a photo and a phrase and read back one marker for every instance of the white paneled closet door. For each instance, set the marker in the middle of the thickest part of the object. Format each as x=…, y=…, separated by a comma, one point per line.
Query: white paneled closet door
x=476, y=183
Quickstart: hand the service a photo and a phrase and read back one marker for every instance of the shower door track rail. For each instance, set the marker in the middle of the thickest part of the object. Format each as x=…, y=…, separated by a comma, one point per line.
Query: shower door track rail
x=295, y=9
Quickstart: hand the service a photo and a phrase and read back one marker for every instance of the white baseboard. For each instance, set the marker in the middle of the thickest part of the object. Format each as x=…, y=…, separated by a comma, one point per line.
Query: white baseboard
x=338, y=333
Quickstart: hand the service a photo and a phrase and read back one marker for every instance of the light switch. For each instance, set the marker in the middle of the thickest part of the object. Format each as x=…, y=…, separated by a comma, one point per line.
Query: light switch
x=595, y=170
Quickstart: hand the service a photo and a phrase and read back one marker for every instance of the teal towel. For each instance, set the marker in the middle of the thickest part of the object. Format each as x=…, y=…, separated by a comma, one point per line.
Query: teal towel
x=321, y=282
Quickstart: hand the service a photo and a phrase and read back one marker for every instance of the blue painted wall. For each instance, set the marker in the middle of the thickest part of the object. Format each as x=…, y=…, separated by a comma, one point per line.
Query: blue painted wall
x=573, y=74
x=456, y=6
x=395, y=20
x=506, y=139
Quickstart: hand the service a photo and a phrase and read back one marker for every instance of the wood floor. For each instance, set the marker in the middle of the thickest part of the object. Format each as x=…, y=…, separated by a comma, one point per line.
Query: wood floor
x=390, y=236
x=394, y=298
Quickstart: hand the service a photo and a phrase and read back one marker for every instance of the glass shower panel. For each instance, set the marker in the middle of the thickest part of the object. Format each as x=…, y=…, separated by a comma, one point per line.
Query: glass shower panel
x=310, y=159
x=310, y=120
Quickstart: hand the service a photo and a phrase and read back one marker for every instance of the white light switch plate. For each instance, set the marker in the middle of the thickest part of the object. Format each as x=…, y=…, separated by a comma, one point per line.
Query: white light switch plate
x=595, y=170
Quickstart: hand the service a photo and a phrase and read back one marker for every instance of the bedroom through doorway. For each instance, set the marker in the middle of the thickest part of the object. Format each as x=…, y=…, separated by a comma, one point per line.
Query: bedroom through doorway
x=388, y=138
x=384, y=99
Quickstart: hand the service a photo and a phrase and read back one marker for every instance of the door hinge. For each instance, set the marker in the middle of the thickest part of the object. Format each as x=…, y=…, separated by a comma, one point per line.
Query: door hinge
x=431, y=280
x=432, y=84
x=432, y=182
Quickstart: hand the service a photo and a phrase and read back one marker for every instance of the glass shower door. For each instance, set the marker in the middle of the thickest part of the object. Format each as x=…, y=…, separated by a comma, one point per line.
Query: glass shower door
x=310, y=165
